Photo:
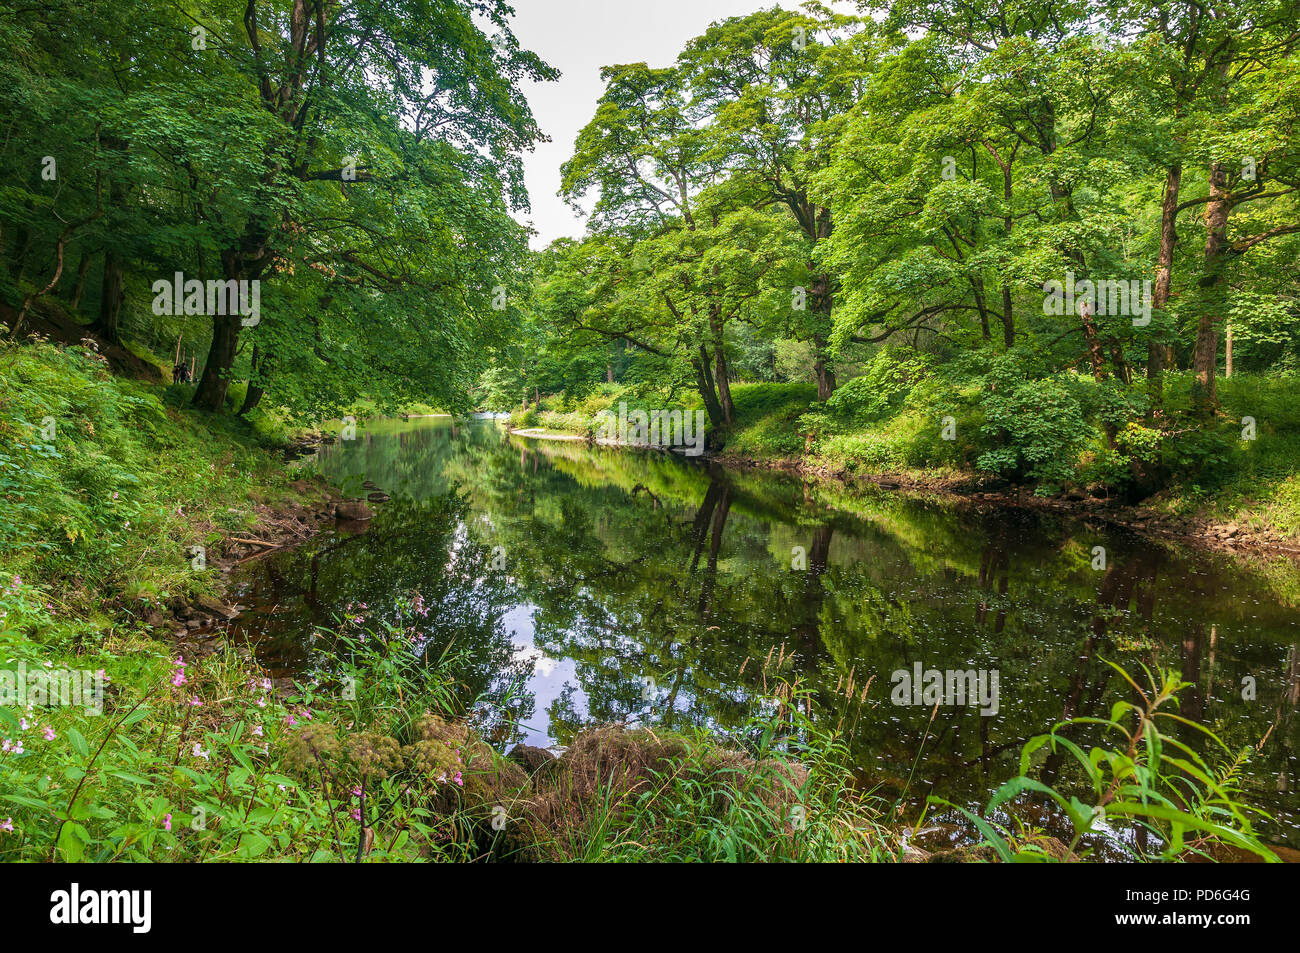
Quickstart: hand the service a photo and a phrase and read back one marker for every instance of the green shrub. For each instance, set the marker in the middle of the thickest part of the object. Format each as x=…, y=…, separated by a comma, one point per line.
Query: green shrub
x=1153, y=781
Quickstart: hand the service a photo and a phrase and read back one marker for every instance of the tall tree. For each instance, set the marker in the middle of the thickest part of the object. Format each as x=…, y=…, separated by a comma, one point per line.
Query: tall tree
x=769, y=90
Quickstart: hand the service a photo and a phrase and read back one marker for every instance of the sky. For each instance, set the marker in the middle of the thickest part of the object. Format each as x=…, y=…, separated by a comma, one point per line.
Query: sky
x=578, y=37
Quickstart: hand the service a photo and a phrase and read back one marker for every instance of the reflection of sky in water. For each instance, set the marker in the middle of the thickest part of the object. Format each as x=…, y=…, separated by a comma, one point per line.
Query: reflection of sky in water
x=549, y=675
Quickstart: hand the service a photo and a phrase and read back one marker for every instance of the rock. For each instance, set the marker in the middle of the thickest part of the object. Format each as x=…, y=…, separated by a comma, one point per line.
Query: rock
x=530, y=758
x=355, y=510
x=216, y=607
x=378, y=497
x=964, y=855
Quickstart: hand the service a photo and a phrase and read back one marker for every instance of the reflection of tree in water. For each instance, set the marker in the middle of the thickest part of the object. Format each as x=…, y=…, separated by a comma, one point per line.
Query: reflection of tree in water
x=410, y=548
x=1044, y=620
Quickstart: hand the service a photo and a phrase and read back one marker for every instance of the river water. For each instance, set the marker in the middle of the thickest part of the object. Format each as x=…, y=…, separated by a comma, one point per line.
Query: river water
x=581, y=584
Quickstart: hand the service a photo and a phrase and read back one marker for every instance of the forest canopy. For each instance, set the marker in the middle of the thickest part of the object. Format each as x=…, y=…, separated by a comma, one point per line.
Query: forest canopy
x=1029, y=239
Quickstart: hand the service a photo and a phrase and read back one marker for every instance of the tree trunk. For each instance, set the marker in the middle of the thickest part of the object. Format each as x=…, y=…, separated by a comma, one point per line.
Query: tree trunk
x=704, y=384
x=1008, y=317
x=825, y=378
x=211, y=392
x=253, y=396
x=1096, y=356
x=823, y=296
x=1156, y=352
x=243, y=264
x=111, y=293
x=720, y=374
x=977, y=284
x=83, y=266
x=22, y=245
x=1206, y=357
x=822, y=368
x=724, y=388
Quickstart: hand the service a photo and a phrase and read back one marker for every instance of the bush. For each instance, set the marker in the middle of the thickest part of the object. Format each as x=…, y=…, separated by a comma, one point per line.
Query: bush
x=881, y=390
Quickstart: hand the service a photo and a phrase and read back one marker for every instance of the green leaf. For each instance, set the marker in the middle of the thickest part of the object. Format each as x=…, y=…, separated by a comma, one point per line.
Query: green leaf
x=78, y=742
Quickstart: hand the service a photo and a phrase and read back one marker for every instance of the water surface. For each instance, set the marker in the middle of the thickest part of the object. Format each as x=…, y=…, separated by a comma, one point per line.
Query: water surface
x=586, y=584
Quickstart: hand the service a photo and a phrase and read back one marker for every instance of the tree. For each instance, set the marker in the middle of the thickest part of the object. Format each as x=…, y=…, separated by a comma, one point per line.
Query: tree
x=769, y=91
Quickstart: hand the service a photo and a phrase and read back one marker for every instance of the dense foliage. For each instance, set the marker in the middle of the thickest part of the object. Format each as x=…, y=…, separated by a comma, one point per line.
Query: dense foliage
x=1033, y=238
x=1047, y=242
x=359, y=160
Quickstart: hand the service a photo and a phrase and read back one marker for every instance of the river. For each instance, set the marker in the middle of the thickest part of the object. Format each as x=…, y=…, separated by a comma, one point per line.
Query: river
x=578, y=584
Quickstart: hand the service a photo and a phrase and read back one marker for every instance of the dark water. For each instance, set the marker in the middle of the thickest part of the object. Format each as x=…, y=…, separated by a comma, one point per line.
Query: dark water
x=642, y=587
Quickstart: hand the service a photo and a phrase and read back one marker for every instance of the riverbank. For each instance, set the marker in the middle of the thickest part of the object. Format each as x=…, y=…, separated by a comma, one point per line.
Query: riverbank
x=1239, y=530
x=1223, y=493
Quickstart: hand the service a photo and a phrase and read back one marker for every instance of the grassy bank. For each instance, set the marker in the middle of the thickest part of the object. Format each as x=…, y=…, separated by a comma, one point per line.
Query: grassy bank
x=1066, y=439
x=1207, y=479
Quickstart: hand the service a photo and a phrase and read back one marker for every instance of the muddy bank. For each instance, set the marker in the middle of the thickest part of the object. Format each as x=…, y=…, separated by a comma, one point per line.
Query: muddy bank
x=48, y=319
x=198, y=622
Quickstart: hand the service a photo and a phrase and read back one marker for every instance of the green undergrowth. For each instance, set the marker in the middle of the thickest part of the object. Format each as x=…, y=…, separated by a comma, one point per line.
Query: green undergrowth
x=107, y=488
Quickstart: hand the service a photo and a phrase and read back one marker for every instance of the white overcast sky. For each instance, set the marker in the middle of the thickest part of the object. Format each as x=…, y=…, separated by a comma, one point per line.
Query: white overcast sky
x=578, y=37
